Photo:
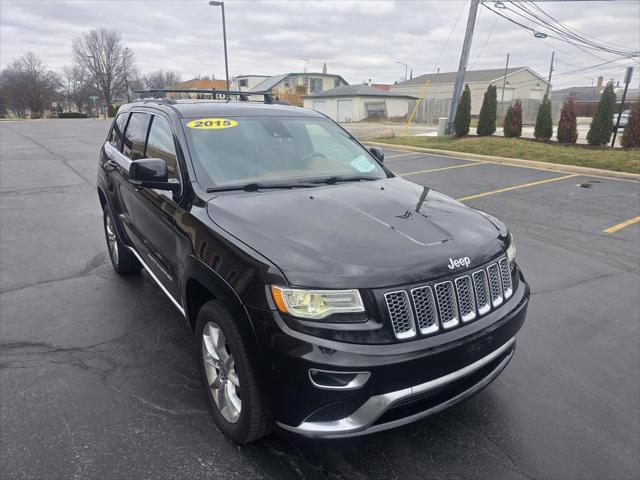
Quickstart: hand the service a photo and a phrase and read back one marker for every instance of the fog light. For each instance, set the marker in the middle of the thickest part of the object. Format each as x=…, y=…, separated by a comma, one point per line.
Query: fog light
x=329, y=380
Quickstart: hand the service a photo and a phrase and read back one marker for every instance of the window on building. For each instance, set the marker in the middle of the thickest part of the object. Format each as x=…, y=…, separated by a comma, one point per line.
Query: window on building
x=536, y=93
x=336, y=82
x=243, y=82
x=376, y=109
x=508, y=94
x=135, y=135
x=315, y=85
x=115, y=138
x=160, y=145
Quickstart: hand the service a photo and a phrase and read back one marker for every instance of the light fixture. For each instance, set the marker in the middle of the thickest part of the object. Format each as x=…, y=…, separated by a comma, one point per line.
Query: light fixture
x=500, y=5
x=540, y=35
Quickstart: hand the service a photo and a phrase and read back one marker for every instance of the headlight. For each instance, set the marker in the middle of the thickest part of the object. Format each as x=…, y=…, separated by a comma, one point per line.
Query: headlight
x=316, y=304
x=511, y=251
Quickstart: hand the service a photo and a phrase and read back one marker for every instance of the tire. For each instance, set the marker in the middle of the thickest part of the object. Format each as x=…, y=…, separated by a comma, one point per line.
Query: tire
x=227, y=359
x=123, y=261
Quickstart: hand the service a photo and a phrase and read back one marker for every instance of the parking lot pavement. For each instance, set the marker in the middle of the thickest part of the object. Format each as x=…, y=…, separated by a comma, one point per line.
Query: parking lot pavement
x=97, y=379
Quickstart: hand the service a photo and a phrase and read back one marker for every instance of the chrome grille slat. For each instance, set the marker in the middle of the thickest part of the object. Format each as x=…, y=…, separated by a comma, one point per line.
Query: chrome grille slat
x=430, y=308
x=400, y=313
x=481, y=288
x=495, y=285
x=447, y=305
x=426, y=312
x=466, y=298
x=505, y=273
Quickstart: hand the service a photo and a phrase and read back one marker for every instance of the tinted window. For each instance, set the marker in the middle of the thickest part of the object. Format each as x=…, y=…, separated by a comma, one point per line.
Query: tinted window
x=115, y=138
x=160, y=144
x=262, y=149
x=135, y=136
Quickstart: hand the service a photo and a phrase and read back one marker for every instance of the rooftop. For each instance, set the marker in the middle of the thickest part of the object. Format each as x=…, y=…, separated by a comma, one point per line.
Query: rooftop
x=362, y=90
x=470, y=76
x=271, y=82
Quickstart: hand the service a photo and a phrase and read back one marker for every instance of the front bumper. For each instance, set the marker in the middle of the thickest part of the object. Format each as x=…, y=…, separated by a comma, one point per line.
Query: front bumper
x=407, y=380
x=365, y=419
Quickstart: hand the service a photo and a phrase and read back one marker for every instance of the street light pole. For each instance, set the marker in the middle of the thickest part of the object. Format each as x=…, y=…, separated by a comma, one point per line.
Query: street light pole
x=224, y=36
x=95, y=70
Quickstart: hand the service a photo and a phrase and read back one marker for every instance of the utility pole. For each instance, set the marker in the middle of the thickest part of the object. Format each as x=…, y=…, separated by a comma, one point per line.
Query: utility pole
x=504, y=80
x=464, y=59
x=627, y=81
x=553, y=54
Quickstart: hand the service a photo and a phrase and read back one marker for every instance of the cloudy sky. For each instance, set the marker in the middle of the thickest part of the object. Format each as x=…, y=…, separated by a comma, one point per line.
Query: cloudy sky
x=359, y=40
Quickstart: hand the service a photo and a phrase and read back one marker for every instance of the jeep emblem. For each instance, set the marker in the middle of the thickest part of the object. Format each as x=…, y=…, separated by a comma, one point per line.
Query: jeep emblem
x=459, y=262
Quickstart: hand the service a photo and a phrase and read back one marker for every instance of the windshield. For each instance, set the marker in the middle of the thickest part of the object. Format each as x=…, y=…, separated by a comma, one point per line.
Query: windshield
x=241, y=150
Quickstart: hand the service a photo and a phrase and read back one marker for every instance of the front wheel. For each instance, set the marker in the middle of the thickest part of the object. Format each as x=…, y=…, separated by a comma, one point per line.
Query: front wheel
x=123, y=261
x=231, y=383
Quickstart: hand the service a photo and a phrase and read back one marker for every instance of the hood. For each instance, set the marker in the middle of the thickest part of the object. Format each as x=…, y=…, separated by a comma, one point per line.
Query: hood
x=360, y=234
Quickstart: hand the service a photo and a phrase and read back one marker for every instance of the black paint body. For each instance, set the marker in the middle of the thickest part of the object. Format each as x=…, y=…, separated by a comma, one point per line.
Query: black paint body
x=373, y=236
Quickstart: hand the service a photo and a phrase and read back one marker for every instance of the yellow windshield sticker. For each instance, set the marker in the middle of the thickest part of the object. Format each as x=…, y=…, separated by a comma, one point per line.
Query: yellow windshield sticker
x=212, y=123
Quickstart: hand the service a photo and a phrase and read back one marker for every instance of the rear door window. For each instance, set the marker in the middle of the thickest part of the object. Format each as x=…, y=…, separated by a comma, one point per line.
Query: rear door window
x=135, y=135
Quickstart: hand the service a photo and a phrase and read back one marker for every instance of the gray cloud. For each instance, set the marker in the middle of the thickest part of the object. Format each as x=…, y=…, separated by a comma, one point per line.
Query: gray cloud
x=359, y=40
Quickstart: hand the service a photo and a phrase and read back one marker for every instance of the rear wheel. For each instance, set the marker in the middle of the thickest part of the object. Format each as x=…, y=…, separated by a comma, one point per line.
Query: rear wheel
x=124, y=262
x=231, y=383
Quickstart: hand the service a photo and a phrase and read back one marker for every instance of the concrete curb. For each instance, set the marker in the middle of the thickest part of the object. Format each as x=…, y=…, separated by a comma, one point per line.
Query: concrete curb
x=557, y=167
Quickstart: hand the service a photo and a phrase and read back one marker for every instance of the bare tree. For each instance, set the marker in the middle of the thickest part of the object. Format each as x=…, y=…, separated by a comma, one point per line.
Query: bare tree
x=75, y=83
x=27, y=85
x=103, y=55
x=160, y=79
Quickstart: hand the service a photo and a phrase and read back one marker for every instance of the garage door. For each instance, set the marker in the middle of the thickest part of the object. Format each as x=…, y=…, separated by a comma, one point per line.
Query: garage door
x=320, y=106
x=345, y=110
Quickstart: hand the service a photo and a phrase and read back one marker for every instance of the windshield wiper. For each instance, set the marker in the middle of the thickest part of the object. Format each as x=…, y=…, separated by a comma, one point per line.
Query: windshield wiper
x=336, y=179
x=254, y=187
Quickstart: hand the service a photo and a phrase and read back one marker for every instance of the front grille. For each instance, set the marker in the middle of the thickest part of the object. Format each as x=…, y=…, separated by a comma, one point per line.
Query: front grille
x=446, y=304
x=400, y=314
x=495, y=285
x=466, y=298
x=426, y=314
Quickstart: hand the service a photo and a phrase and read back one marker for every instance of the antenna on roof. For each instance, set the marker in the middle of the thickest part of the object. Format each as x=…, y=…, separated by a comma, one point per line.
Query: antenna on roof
x=306, y=63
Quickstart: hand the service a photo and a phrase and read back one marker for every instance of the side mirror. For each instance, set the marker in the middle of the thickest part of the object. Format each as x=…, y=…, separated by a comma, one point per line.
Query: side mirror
x=151, y=173
x=378, y=153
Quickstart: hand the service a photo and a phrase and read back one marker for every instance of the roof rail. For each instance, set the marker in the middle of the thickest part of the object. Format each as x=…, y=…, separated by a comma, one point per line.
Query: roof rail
x=243, y=96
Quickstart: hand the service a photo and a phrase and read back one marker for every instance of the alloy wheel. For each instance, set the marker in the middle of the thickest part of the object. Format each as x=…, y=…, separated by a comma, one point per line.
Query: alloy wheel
x=220, y=369
x=112, y=241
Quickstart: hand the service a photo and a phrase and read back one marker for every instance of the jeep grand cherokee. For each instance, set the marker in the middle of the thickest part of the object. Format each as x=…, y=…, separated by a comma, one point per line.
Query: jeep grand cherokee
x=328, y=296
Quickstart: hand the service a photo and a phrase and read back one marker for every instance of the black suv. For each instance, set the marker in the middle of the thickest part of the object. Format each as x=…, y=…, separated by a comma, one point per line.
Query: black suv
x=328, y=296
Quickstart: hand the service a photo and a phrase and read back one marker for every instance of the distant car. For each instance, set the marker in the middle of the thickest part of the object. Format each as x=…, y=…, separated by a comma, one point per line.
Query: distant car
x=623, y=119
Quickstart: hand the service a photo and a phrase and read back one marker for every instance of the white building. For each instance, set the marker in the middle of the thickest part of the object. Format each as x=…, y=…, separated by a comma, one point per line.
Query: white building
x=247, y=82
x=521, y=83
x=353, y=103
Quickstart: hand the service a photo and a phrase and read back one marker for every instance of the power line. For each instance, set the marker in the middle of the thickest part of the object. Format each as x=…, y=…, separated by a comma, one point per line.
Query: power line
x=485, y=43
x=449, y=37
x=572, y=39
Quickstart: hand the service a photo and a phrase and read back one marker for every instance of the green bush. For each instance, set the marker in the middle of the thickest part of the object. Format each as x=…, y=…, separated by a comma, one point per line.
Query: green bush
x=513, y=121
x=463, y=114
x=631, y=134
x=488, y=111
x=112, y=111
x=567, y=128
x=544, y=124
x=73, y=115
x=602, y=123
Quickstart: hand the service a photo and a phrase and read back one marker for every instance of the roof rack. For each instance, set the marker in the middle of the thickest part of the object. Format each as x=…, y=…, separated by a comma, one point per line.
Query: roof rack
x=243, y=96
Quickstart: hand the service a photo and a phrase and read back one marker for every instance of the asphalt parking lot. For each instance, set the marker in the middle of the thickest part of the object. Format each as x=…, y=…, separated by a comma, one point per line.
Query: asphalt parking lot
x=97, y=379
